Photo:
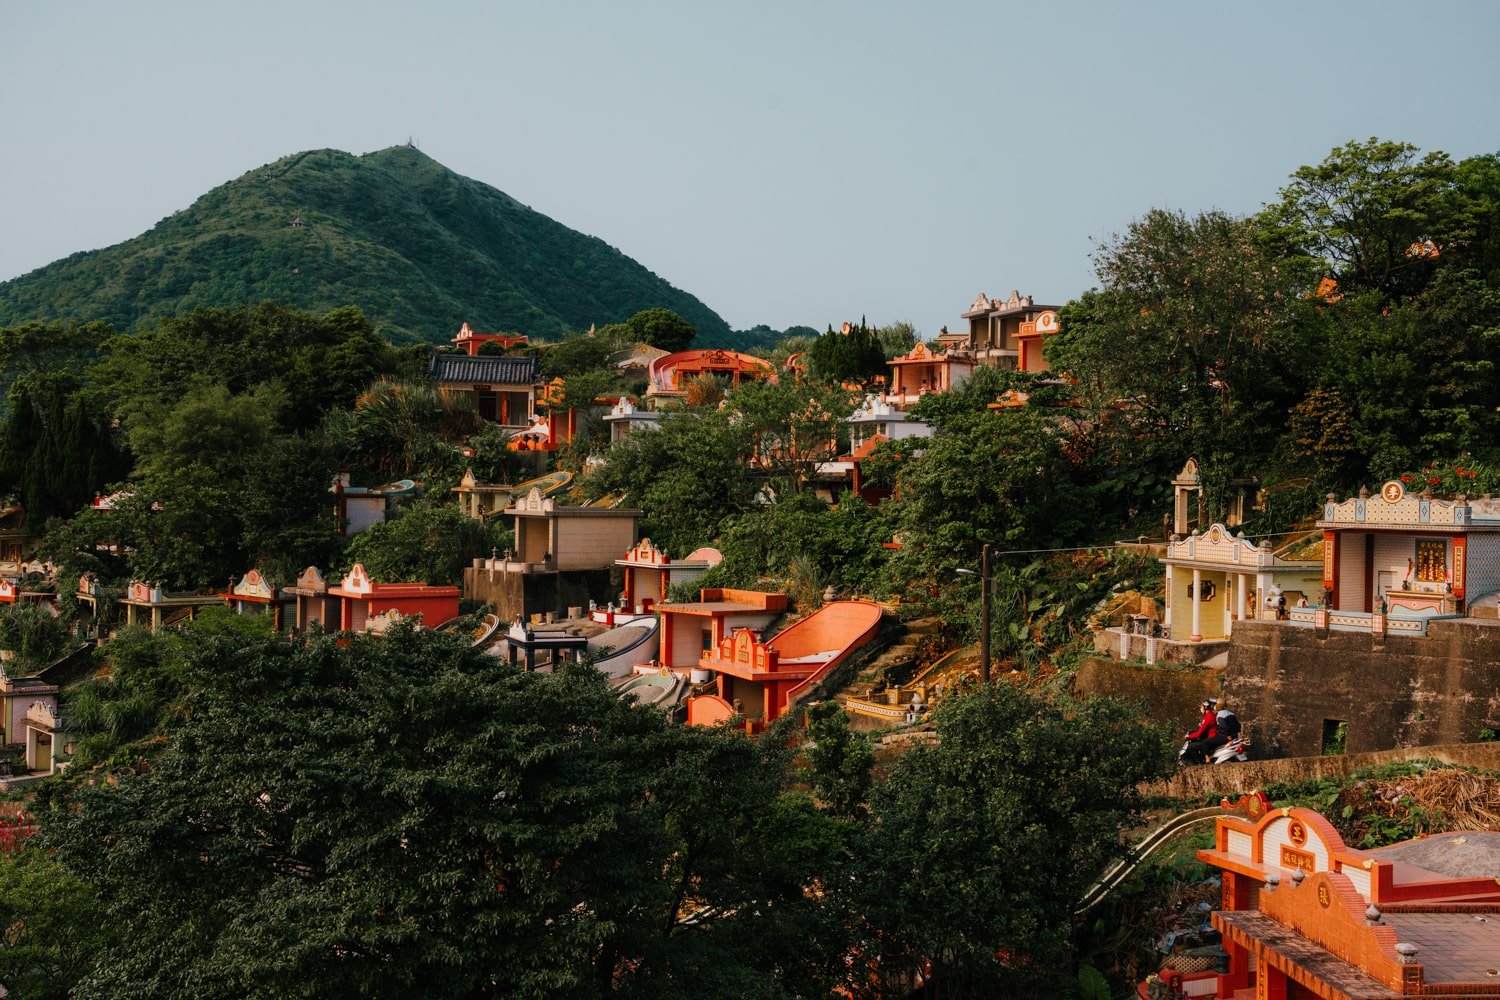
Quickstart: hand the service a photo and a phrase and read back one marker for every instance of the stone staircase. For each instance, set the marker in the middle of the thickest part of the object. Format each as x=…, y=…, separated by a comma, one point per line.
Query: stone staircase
x=873, y=682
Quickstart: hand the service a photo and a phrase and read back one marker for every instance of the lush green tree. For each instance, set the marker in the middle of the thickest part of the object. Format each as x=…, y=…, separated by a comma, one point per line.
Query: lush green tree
x=981, y=843
x=384, y=816
x=52, y=933
x=404, y=429
x=1193, y=334
x=795, y=427
x=319, y=362
x=430, y=541
x=57, y=449
x=1367, y=212
x=661, y=328
x=852, y=356
x=896, y=338
x=841, y=762
x=209, y=426
x=687, y=476
x=33, y=635
x=578, y=353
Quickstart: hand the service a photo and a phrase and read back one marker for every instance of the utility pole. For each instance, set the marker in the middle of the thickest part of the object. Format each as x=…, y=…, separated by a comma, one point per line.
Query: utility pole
x=984, y=613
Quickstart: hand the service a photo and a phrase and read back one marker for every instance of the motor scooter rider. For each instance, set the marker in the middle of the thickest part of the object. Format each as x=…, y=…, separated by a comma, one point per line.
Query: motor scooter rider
x=1226, y=728
x=1207, y=727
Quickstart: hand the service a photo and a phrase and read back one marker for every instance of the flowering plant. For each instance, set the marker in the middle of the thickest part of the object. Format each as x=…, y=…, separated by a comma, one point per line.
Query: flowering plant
x=1462, y=475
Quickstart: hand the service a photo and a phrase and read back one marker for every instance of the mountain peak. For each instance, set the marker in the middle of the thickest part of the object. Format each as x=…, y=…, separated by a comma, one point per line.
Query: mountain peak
x=418, y=247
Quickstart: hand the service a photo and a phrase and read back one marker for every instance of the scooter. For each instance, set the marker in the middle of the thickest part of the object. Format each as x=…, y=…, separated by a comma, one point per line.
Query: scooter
x=1232, y=752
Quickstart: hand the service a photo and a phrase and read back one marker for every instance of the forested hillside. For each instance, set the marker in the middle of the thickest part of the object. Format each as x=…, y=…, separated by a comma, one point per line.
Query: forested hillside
x=417, y=247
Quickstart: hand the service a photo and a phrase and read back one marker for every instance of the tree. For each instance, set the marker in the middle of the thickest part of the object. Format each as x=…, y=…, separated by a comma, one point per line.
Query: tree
x=687, y=476
x=1363, y=210
x=52, y=932
x=980, y=844
x=1194, y=333
x=396, y=815
x=795, y=427
x=661, y=328
x=844, y=356
x=428, y=542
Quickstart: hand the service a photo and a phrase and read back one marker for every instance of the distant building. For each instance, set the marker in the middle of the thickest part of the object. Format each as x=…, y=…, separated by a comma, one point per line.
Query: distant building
x=471, y=341
x=650, y=574
x=503, y=389
x=923, y=371
x=362, y=601
x=253, y=594
x=627, y=417
x=1009, y=333
x=564, y=557
x=481, y=501
x=669, y=375
x=312, y=604
x=357, y=508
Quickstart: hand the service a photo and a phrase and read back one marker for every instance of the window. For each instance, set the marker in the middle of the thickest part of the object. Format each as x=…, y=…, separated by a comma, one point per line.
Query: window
x=1335, y=733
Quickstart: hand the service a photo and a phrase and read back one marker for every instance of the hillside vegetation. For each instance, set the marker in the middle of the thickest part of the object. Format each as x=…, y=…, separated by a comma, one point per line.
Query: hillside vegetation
x=417, y=247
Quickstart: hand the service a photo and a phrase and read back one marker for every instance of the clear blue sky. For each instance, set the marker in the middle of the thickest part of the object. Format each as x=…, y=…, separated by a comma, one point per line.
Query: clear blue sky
x=798, y=162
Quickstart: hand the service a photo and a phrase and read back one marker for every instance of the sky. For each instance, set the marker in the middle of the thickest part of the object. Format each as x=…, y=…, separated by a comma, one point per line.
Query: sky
x=786, y=162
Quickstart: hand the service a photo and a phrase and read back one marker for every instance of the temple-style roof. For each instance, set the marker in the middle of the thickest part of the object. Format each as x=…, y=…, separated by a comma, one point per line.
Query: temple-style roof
x=1394, y=508
x=483, y=368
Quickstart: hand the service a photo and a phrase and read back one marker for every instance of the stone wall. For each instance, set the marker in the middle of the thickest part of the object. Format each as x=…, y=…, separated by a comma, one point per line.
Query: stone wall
x=1171, y=694
x=1238, y=779
x=523, y=594
x=1285, y=682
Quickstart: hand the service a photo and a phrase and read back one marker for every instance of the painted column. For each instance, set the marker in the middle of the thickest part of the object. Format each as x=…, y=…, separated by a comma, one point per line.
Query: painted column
x=1166, y=619
x=1331, y=566
x=1270, y=982
x=1197, y=635
x=1228, y=606
x=1241, y=583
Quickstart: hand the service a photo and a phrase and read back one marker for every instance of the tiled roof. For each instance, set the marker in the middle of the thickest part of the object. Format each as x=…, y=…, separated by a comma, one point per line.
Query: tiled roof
x=491, y=369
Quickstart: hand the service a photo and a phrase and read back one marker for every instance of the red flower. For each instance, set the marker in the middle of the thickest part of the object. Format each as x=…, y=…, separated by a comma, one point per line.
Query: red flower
x=1406, y=479
x=1433, y=481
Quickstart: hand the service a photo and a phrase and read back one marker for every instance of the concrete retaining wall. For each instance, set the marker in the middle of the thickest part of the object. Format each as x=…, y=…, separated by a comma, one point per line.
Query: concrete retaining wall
x=514, y=594
x=1171, y=694
x=1285, y=682
x=1237, y=779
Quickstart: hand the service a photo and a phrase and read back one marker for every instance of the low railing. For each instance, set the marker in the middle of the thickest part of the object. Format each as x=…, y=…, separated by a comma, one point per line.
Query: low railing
x=1362, y=621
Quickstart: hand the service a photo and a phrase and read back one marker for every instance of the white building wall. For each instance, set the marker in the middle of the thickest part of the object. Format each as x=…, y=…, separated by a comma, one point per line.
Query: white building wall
x=1351, y=595
x=1391, y=554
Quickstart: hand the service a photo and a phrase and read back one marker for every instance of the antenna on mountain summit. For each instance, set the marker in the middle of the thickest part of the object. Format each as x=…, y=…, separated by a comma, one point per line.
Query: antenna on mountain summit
x=411, y=143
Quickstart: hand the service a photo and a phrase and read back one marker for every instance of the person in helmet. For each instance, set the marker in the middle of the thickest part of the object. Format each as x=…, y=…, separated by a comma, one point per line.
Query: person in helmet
x=1209, y=708
x=1207, y=731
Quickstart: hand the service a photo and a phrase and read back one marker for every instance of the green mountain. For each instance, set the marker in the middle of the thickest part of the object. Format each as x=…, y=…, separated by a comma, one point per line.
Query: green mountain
x=419, y=248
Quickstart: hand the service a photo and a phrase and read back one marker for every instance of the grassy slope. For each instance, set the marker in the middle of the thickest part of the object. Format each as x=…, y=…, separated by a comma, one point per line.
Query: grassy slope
x=415, y=245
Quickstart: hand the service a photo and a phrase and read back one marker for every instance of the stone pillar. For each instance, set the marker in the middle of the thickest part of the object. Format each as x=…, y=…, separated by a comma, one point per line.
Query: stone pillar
x=1197, y=635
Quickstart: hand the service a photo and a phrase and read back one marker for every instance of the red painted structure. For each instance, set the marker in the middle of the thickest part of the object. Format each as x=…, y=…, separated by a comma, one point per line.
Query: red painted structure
x=361, y=599
x=668, y=375
x=1304, y=915
x=470, y=341
x=762, y=680
x=689, y=630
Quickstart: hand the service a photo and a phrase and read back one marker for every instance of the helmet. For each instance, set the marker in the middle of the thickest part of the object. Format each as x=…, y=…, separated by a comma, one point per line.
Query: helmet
x=1210, y=703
